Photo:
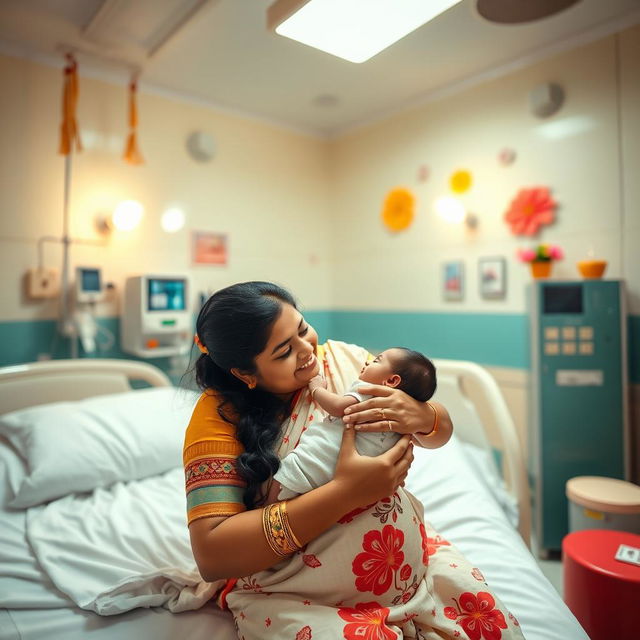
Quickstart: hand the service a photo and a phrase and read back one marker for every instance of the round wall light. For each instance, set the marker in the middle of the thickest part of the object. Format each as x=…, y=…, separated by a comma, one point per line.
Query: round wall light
x=172, y=220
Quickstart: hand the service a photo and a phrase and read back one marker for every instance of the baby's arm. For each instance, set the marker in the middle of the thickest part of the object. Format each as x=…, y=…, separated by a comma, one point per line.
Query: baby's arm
x=332, y=403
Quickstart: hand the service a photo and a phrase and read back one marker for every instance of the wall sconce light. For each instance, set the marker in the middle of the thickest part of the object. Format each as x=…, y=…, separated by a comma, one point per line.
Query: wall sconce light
x=454, y=212
x=172, y=220
x=125, y=217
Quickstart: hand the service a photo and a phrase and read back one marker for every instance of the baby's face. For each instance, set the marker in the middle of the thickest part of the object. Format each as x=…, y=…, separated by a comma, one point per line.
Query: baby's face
x=379, y=369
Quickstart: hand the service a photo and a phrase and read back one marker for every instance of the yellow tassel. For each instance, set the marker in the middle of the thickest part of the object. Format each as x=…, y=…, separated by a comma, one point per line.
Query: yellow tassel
x=69, y=132
x=131, y=152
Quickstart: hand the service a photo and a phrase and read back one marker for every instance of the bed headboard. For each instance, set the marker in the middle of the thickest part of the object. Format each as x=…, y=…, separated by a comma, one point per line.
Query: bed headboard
x=27, y=385
x=480, y=416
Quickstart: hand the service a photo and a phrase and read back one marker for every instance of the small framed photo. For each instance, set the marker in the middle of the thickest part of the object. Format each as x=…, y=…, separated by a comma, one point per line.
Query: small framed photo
x=453, y=280
x=209, y=247
x=492, y=274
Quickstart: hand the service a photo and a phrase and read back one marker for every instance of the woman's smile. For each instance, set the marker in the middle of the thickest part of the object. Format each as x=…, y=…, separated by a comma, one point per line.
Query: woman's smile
x=308, y=363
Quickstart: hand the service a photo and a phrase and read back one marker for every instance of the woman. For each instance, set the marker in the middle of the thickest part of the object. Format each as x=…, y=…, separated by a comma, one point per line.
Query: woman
x=348, y=559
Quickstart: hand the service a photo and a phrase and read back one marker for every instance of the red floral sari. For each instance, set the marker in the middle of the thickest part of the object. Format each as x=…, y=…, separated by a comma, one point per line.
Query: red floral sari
x=380, y=573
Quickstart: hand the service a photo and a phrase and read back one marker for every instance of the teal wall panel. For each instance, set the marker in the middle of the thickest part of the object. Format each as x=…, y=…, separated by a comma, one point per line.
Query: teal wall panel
x=491, y=339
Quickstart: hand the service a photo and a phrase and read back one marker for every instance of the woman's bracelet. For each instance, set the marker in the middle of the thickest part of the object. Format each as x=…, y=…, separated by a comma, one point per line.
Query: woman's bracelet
x=277, y=530
x=435, y=423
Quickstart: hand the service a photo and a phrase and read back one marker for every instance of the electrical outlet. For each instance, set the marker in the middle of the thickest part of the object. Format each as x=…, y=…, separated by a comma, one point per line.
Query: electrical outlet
x=43, y=283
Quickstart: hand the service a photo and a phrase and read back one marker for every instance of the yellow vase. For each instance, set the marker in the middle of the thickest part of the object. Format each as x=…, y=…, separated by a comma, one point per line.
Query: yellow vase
x=541, y=268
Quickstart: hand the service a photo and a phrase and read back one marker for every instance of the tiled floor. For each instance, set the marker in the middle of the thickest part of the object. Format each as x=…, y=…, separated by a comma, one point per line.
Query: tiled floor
x=552, y=567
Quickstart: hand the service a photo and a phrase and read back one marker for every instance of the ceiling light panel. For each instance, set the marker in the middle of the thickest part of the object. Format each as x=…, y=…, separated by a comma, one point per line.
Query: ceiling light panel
x=358, y=29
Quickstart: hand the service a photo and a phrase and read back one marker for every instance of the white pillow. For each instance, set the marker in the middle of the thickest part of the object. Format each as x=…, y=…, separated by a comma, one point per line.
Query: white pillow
x=71, y=447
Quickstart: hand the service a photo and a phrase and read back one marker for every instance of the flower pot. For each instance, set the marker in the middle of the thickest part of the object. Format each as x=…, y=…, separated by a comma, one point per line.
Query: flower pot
x=592, y=268
x=541, y=268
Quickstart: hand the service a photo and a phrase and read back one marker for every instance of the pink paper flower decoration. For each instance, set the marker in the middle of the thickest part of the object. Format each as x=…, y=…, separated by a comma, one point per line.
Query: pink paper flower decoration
x=529, y=210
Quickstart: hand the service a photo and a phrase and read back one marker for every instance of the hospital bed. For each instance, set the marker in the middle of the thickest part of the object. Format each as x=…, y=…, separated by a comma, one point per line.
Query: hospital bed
x=109, y=557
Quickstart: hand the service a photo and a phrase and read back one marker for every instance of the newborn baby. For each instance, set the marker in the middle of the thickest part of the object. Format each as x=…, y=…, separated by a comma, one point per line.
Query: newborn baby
x=312, y=463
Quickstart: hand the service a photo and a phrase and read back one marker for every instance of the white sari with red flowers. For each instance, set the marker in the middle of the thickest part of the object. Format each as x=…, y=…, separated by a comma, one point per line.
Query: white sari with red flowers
x=380, y=573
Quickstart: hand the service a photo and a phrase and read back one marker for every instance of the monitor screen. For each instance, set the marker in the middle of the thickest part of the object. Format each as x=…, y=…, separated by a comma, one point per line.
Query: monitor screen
x=90, y=280
x=166, y=295
x=562, y=298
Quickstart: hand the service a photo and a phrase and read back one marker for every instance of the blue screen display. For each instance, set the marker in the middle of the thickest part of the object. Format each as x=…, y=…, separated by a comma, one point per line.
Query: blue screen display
x=90, y=280
x=166, y=295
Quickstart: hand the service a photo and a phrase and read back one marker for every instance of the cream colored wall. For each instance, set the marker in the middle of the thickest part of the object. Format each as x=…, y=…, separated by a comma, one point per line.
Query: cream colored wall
x=583, y=165
x=267, y=188
x=592, y=167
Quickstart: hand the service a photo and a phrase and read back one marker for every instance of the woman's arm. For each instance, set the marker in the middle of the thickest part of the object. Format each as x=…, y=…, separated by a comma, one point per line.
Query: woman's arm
x=405, y=415
x=235, y=546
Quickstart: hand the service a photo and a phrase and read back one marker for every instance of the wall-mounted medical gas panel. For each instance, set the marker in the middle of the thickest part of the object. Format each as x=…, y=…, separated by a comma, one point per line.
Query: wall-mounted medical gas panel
x=579, y=394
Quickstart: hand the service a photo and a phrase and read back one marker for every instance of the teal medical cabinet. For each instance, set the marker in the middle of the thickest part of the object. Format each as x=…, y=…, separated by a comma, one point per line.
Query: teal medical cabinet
x=579, y=394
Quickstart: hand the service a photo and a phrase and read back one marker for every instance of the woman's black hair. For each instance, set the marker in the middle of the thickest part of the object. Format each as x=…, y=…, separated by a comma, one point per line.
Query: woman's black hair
x=234, y=325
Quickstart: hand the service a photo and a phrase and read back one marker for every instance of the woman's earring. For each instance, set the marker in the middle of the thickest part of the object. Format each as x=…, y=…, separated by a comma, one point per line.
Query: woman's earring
x=252, y=385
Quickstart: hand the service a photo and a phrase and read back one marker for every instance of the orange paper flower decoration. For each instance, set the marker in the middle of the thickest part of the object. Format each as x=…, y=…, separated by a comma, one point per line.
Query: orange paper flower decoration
x=397, y=212
x=529, y=210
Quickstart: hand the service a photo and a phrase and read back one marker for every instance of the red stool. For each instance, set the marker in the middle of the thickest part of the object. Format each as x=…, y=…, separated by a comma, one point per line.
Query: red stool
x=602, y=592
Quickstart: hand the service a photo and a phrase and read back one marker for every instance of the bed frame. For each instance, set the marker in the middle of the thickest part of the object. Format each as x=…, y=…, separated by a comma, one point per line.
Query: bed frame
x=469, y=392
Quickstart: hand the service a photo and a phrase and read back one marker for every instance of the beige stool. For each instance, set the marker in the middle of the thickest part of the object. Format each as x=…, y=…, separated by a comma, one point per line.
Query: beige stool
x=603, y=503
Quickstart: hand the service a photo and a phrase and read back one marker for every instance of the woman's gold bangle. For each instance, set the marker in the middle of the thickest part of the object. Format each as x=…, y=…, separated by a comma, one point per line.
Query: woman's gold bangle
x=277, y=530
x=434, y=429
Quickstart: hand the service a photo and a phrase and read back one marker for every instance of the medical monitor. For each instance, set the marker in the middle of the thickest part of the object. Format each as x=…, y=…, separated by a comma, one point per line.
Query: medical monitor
x=88, y=284
x=164, y=294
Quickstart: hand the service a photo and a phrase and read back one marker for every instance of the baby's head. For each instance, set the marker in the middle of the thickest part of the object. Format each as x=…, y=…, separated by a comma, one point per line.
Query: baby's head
x=404, y=369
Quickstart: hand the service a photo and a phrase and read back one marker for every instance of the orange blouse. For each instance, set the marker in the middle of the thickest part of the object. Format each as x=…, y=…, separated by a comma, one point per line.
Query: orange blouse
x=214, y=487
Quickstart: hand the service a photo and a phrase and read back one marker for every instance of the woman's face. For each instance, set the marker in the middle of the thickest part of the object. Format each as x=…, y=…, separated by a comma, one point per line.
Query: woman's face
x=289, y=360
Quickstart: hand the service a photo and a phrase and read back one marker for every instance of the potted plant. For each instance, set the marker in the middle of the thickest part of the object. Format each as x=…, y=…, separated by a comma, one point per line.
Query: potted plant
x=541, y=258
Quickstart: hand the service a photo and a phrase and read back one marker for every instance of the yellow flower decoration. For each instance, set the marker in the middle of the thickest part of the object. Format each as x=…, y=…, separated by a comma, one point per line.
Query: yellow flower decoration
x=397, y=212
x=460, y=181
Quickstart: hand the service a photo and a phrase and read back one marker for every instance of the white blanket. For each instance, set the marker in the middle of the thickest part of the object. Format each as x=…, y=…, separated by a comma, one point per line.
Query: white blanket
x=120, y=548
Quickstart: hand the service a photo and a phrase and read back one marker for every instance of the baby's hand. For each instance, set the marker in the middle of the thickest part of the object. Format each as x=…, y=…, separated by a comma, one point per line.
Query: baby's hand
x=316, y=382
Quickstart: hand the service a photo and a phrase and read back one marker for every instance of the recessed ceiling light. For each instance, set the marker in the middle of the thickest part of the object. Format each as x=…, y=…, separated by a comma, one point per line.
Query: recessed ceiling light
x=355, y=30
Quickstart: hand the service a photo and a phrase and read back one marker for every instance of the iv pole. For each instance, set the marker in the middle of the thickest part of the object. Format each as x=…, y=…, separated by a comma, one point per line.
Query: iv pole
x=66, y=326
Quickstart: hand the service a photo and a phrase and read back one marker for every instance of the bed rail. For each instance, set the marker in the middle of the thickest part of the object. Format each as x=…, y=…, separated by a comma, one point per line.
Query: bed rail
x=478, y=386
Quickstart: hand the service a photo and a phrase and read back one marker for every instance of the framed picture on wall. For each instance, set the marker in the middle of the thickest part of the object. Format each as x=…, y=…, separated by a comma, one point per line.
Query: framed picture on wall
x=492, y=274
x=209, y=248
x=453, y=280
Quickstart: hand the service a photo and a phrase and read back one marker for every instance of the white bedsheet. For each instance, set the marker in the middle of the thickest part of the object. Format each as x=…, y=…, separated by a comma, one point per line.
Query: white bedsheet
x=121, y=548
x=442, y=479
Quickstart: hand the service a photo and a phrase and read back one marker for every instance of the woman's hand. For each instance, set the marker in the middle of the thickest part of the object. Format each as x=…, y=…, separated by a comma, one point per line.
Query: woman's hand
x=368, y=479
x=393, y=410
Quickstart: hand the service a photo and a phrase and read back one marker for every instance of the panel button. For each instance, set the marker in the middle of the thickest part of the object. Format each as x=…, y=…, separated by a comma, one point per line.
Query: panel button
x=585, y=333
x=568, y=348
x=551, y=348
x=551, y=333
x=568, y=333
x=586, y=348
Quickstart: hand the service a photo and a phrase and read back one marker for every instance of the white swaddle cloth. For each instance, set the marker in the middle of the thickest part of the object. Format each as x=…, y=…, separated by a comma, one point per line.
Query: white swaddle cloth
x=312, y=463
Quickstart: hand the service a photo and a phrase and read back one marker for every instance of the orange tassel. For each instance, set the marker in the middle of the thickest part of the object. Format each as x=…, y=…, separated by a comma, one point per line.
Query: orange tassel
x=69, y=132
x=131, y=153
